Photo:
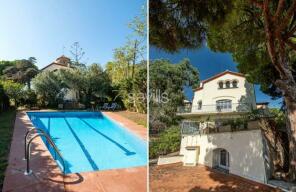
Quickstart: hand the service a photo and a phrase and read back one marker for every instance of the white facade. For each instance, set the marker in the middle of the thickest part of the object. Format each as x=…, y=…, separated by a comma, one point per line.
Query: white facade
x=208, y=138
x=54, y=67
x=62, y=63
x=245, y=150
x=240, y=94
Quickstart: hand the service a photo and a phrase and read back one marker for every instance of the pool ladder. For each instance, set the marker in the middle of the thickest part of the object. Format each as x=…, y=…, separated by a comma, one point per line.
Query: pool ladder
x=28, y=171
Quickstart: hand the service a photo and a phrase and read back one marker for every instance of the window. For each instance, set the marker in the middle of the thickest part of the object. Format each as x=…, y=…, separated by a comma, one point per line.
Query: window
x=227, y=84
x=224, y=105
x=220, y=85
x=234, y=83
x=199, y=105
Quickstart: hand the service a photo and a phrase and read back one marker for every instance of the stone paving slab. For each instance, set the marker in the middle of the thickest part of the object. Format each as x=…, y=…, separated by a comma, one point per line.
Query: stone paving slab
x=117, y=180
x=46, y=172
x=47, y=175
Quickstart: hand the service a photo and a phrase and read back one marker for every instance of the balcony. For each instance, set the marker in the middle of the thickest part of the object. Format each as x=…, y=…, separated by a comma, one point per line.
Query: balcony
x=216, y=108
x=189, y=127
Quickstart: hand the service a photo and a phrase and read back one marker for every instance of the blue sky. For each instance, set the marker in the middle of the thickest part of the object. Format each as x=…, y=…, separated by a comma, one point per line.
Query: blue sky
x=42, y=28
x=208, y=63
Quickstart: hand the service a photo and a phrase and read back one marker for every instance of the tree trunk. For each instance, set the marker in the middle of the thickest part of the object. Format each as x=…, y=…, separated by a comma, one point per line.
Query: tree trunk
x=134, y=58
x=277, y=149
x=29, y=84
x=291, y=131
x=135, y=102
x=133, y=74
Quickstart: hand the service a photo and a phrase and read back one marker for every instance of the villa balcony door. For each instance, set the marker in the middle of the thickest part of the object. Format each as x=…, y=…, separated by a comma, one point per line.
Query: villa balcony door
x=224, y=105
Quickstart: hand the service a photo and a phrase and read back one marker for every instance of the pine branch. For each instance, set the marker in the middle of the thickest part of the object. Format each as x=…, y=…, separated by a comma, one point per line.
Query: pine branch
x=279, y=9
x=290, y=13
x=290, y=43
x=290, y=33
x=257, y=4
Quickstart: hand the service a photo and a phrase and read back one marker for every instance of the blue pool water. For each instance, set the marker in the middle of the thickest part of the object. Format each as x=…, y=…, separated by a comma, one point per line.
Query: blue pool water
x=90, y=141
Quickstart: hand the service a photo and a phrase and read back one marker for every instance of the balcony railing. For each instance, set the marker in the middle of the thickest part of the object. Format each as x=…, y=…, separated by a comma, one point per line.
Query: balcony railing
x=189, y=127
x=233, y=107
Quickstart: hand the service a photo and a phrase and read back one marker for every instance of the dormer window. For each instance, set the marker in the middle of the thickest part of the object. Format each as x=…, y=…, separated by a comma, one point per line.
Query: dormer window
x=227, y=84
x=234, y=84
x=220, y=85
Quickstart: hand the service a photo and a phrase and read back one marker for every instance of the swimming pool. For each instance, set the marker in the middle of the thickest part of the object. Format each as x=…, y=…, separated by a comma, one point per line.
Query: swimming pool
x=90, y=141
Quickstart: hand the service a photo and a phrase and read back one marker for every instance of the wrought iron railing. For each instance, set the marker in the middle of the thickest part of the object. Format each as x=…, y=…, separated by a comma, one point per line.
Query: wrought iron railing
x=191, y=127
x=232, y=107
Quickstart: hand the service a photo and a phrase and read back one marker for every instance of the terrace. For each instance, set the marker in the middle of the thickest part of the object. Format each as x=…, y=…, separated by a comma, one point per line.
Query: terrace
x=175, y=177
x=225, y=107
x=191, y=127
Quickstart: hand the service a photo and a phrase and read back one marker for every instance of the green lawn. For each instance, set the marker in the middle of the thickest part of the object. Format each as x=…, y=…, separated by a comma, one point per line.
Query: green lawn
x=6, y=131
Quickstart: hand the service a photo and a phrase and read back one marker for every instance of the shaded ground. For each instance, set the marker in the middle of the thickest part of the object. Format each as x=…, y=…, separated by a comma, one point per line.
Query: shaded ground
x=6, y=130
x=176, y=177
x=138, y=118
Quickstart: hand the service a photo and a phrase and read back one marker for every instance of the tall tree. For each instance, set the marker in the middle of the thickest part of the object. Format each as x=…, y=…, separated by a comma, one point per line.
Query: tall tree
x=166, y=84
x=259, y=34
x=262, y=34
x=77, y=55
x=126, y=69
x=5, y=64
x=22, y=71
x=137, y=40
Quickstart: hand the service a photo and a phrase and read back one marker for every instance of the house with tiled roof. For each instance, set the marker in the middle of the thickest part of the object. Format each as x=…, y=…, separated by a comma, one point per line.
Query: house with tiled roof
x=63, y=62
x=215, y=132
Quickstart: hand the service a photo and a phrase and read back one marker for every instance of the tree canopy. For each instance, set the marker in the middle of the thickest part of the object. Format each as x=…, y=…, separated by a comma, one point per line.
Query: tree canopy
x=176, y=24
x=21, y=71
x=13, y=90
x=91, y=82
x=48, y=87
x=128, y=69
x=166, y=86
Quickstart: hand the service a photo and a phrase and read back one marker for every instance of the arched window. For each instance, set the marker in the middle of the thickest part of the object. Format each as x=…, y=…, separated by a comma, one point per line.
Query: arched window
x=227, y=84
x=234, y=83
x=220, y=85
x=221, y=158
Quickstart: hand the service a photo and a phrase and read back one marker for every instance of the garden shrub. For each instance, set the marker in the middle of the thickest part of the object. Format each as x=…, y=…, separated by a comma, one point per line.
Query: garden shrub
x=29, y=98
x=168, y=141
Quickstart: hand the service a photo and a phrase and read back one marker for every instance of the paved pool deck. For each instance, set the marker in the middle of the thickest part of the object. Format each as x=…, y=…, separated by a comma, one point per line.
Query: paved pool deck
x=47, y=176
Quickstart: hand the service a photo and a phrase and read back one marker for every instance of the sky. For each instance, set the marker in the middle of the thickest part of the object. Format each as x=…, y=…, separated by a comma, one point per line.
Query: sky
x=47, y=29
x=208, y=63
